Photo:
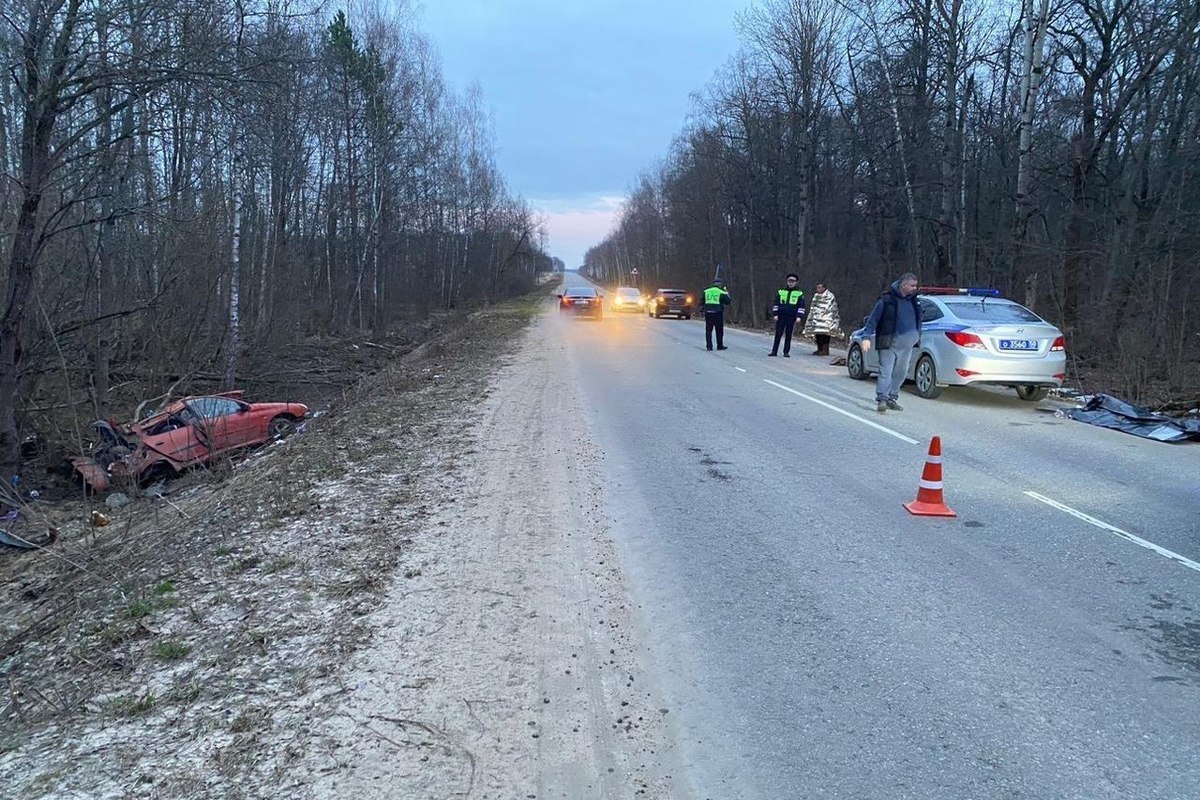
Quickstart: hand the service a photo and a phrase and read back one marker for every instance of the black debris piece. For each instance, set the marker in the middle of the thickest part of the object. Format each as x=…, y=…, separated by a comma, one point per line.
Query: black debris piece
x=1109, y=412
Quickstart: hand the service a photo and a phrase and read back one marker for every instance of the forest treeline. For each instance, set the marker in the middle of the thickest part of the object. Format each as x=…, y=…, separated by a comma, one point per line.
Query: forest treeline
x=186, y=179
x=1048, y=148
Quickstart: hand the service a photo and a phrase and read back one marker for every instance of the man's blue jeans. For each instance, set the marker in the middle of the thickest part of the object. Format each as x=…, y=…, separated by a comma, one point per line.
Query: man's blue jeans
x=893, y=369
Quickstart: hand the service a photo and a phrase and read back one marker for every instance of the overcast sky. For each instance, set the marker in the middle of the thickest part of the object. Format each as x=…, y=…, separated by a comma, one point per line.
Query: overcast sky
x=585, y=93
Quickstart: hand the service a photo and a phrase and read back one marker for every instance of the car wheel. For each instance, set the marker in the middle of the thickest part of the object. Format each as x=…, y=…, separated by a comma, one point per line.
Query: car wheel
x=281, y=427
x=925, y=378
x=657, y=315
x=855, y=364
x=687, y=316
x=1033, y=393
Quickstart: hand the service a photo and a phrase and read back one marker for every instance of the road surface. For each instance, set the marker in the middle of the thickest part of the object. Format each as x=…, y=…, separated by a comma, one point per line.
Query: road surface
x=813, y=640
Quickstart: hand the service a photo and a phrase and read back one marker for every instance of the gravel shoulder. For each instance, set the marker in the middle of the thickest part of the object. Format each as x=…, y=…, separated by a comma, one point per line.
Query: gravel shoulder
x=509, y=664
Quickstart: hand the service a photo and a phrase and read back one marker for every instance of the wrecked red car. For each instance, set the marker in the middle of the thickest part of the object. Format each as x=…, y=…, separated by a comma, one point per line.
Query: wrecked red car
x=187, y=433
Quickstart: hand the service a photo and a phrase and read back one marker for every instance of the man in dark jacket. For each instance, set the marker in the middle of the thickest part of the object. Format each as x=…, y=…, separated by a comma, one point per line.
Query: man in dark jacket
x=895, y=324
x=715, y=300
x=789, y=304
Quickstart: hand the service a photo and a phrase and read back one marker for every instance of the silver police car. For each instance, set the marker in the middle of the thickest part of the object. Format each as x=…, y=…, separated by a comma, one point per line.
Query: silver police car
x=974, y=336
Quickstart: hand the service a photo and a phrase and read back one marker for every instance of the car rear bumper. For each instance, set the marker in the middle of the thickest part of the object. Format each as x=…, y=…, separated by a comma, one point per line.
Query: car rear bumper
x=1039, y=371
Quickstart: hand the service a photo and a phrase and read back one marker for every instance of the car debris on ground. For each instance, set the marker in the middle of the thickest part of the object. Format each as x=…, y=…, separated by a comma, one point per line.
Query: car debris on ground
x=1110, y=412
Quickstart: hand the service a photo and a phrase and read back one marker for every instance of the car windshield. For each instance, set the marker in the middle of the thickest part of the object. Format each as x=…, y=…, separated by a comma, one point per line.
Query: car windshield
x=991, y=311
x=671, y=292
x=627, y=292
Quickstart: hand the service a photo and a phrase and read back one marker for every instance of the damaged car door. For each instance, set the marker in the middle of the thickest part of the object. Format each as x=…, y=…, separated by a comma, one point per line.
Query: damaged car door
x=220, y=423
x=174, y=437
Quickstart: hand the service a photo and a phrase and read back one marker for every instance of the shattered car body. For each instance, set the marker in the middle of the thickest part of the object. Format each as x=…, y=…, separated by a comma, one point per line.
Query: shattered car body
x=188, y=433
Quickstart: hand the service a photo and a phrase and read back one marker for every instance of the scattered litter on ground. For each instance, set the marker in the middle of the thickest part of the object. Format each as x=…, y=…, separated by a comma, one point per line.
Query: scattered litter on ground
x=14, y=533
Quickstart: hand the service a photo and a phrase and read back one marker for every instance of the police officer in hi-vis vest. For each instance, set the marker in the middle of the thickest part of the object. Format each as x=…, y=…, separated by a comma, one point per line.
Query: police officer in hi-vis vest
x=789, y=304
x=715, y=300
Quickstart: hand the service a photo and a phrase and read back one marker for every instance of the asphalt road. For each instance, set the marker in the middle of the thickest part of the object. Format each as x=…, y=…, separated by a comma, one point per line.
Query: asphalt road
x=814, y=640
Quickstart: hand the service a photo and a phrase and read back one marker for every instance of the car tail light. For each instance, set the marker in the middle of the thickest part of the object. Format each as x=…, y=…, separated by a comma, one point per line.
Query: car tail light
x=967, y=340
x=1062, y=376
x=1059, y=345
x=965, y=373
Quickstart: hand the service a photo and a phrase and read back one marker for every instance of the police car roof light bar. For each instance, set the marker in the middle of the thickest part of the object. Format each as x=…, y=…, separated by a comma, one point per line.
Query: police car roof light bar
x=973, y=291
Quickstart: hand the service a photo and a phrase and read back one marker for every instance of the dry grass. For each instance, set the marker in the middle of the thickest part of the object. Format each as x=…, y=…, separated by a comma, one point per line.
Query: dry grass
x=183, y=629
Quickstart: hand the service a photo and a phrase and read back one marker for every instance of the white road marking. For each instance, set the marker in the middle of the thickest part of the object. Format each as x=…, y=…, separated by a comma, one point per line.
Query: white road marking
x=1126, y=535
x=864, y=421
x=739, y=369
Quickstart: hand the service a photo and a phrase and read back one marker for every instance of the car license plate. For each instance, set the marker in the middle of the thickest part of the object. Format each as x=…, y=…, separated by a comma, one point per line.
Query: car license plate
x=1018, y=344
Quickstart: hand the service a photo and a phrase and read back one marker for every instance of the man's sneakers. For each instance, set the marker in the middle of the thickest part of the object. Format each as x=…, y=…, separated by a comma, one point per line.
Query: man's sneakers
x=772, y=354
x=722, y=347
x=881, y=406
x=894, y=406
x=787, y=355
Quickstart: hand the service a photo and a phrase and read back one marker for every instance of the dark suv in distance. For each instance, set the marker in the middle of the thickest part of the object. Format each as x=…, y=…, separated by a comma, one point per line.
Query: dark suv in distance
x=671, y=301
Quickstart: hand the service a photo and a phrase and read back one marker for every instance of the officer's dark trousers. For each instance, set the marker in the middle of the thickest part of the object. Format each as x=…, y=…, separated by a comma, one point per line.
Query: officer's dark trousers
x=714, y=322
x=783, y=330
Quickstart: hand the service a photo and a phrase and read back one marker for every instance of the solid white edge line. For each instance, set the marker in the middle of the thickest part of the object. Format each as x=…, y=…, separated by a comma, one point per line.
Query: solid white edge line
x=831, y=407
x=1126, y=535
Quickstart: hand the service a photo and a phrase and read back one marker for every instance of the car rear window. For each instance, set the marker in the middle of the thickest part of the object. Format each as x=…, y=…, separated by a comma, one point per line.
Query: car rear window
x=583, y=292
x=991, y=311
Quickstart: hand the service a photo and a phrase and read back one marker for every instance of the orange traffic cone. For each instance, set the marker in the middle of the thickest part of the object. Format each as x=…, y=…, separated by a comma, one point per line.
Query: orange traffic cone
x=929, y=502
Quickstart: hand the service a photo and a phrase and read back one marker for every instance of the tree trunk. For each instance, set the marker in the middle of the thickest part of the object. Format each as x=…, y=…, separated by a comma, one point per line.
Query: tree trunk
x=233, y=341
x=946, y=271
x=37, y=132
x=1036, y=18
x=901, y=146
